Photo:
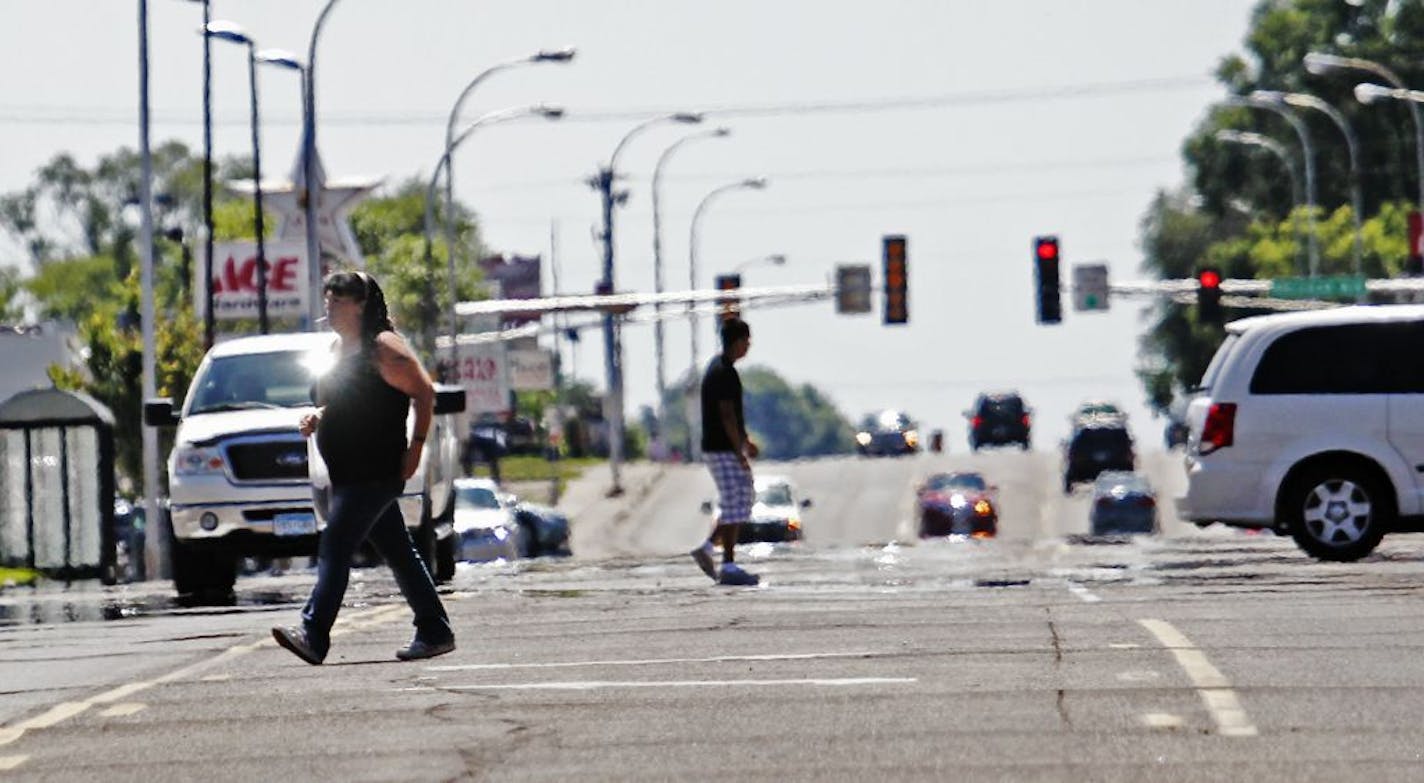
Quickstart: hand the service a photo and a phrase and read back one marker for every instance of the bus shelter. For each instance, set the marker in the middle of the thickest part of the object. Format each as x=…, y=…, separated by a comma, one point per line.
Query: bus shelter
x=57, y=484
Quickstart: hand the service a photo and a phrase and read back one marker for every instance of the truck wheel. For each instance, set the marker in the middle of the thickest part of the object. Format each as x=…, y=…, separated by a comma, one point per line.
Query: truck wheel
x=1337, y=511
x=202, y=573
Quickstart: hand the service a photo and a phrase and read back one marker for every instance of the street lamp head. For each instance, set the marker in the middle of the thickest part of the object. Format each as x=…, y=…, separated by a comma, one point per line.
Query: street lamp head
x=280, y=57
x=549, y=112
x=777, y=259
x=686, y=117
x=755, y=183
x=1319, y=63
x=722, y=132
x=554, y=55
x=227, y=31
x=1367, y=93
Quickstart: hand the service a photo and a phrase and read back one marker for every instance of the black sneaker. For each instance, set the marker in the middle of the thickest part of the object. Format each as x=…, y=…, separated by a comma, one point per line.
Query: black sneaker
x=420, y=649
x=294, y=638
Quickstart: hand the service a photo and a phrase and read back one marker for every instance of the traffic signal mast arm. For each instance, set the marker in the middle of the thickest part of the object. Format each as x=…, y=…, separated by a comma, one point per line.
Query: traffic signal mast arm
x=622, y=303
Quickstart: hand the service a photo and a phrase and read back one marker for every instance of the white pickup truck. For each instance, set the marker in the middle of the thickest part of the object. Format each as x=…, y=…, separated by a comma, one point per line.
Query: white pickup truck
x=242, y=481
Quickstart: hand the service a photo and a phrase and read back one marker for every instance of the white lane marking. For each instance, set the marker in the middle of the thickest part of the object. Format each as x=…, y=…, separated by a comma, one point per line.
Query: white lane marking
x=653, y=661
x=1123, y=646
x=1083, y=593
x=588, y=685
x=1162, y=720
x=123, y=710
x=63, y=711
x=121, y=692
x=8, y=763
x=1231, y=719
x=1146, y=675
x=53, y=715
x=215, y=677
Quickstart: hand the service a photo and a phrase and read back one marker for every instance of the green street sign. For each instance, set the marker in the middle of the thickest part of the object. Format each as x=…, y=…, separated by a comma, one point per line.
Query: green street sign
x=1335, y=287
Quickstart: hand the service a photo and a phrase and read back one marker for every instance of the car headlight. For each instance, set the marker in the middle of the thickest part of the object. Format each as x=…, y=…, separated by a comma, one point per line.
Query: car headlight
x=983, y=509
x=793, y=523
x=197, y=461
x=958, y=501
x=863, y=438
x=912, y=438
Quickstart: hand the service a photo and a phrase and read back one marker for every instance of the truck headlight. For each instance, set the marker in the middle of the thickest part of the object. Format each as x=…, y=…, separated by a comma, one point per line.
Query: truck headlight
x=196, y=461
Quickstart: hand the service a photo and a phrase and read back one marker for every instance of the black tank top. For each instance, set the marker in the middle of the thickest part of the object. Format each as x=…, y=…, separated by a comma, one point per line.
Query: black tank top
x=361, y=435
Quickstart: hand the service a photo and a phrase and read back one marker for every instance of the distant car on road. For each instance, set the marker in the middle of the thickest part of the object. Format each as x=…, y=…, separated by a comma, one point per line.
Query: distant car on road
x=1096, y=409
x=776, y=515
x=485, y=525
x=999, y=419
x=889, y=432
x=546, y=529
x=1123, y=502
x=958, y=503
x=1096, y=445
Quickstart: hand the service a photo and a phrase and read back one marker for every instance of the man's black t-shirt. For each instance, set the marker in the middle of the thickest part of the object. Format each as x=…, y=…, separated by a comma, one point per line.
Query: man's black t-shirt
x=720, y=382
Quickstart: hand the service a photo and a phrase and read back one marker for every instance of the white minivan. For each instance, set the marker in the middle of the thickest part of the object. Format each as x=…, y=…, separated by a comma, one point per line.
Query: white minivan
x=1312, y=423
x=242, y=481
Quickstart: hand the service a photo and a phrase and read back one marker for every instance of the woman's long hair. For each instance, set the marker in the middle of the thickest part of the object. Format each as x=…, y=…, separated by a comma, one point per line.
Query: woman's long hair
x=361, y=287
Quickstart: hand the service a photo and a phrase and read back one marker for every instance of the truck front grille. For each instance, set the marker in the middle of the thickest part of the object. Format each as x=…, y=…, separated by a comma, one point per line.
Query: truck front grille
x=273, y=460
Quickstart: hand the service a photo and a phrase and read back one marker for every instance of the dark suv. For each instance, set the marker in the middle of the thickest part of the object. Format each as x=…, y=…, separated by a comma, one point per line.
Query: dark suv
x=998, y=420
x=1096, y=445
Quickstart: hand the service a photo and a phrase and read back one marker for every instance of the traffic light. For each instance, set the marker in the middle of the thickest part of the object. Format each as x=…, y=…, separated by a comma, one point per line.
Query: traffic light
x=1209, y=295
x=897, y=281
x=1045, y=260
x=729, y=305
x=853, y=288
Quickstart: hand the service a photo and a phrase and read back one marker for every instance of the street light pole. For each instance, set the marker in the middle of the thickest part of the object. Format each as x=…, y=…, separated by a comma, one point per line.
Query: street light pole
x=612, y=347
x=658, y=327
x=149, y=368
x=1319, y=63
x=556, y=56
x=1305, y=101
x=209, y=318
x=310, y=197
x=1312, y=242
x=694, y=426
x=1270, y=144
x=548, y=112
x=228, y=31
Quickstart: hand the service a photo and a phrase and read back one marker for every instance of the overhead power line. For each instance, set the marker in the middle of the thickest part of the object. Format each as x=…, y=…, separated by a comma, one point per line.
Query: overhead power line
x=82, y=115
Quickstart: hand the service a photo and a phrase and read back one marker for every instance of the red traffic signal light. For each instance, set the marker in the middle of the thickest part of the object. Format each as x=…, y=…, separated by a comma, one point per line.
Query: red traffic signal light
x=1209, y=295
x=1045, y=260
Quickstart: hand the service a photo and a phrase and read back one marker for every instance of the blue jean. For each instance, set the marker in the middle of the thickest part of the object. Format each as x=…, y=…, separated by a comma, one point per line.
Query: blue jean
x=356, y=512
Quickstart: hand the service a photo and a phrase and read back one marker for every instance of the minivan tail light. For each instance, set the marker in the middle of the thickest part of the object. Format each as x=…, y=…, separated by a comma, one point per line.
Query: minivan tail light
x=1025, y=420
x=1220, y=428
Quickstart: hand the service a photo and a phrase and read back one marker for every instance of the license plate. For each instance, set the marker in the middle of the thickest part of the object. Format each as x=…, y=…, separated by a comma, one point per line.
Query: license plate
x=298, y=524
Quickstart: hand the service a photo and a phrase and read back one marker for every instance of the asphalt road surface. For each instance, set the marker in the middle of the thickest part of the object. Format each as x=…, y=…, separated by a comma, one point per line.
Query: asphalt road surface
x=1041, y=655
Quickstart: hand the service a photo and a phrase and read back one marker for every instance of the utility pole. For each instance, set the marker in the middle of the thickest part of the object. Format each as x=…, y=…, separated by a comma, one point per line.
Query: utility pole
x=612, y=353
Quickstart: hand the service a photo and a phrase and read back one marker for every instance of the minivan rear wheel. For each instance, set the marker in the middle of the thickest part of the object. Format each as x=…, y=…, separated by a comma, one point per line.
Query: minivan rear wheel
x=1337, y=511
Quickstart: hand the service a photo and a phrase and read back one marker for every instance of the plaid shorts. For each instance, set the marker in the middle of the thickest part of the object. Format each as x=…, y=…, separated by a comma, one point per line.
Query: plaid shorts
x=735, y=492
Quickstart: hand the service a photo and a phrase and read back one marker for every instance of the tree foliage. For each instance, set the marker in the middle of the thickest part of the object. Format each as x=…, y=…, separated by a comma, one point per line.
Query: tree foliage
x=787, y=422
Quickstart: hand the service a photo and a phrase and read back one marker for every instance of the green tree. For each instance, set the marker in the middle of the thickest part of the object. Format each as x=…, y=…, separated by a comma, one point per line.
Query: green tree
x=786, y=421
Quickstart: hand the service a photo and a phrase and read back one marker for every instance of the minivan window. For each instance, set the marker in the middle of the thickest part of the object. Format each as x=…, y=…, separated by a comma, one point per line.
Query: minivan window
x=1213, y=368
x=1376, y=358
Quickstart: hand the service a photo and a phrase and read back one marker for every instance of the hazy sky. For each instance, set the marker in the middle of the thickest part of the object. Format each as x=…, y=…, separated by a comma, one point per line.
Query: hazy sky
x=980, y=124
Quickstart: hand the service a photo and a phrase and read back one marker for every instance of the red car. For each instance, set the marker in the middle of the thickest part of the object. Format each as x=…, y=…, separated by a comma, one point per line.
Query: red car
x=960, y=503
